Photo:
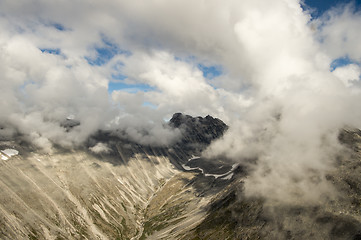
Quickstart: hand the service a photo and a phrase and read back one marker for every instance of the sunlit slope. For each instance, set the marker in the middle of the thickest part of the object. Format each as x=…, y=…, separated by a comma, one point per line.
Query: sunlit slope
x=76, y=195
x=129, y=192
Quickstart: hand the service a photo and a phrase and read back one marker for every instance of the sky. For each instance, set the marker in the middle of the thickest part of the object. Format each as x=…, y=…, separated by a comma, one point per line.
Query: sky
x=321, y=6
x=283, y=74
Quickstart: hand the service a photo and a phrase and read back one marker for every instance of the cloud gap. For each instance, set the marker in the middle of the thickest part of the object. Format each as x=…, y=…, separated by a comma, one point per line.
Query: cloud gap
x=341, y=62
x=106, y=51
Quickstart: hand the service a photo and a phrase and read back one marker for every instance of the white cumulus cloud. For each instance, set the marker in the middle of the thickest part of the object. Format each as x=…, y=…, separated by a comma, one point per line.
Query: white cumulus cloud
x=276, y=88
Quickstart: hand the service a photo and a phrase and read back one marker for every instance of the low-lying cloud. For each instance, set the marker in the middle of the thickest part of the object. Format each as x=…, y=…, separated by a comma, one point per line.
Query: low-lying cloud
x=276, y=90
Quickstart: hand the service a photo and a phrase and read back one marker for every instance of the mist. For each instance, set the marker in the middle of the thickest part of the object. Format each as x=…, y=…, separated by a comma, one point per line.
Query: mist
x=285, y=83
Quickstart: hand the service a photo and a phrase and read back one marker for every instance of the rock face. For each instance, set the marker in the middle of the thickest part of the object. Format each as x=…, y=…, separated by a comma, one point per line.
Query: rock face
x=125, y=190
x=198, y=130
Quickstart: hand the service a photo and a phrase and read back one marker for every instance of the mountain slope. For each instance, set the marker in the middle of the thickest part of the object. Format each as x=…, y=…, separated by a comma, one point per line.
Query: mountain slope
x=232, y=215
x=127, y=192
x=132, y=191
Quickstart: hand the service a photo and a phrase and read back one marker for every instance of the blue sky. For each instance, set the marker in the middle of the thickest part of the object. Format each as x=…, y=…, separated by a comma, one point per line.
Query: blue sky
x=210, y=72
x=55, y=51
x=131, y=88
x=320, y=6
x=59, y=26
x=105, y=52
x=339, y=62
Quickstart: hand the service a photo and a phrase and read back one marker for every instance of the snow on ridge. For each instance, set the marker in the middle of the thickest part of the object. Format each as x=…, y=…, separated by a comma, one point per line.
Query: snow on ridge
x=8, y=153
x=225, y=176
x=193, y=158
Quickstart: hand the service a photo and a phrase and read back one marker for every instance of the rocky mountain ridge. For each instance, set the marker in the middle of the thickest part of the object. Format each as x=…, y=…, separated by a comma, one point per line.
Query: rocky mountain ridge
x=129, y=191
x=132, y=191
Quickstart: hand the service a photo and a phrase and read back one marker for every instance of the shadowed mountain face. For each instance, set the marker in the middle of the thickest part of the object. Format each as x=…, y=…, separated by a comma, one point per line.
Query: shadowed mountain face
x=123, y=190
x=198, y=130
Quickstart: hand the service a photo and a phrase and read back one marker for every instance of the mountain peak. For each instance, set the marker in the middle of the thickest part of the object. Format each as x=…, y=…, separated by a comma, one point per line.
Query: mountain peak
x=198, y=129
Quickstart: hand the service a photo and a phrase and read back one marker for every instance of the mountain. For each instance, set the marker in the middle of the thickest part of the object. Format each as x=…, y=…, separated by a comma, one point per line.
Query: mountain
x=232, y=215
x=114, y=188
x=127, y=191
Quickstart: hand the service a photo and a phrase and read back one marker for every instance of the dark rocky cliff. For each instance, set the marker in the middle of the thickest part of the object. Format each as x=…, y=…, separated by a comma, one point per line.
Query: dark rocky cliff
x=198, y=129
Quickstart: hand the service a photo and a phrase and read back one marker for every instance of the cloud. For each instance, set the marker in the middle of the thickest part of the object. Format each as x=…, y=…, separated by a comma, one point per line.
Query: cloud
x=338, y=32
x=279, y=89
x=349, y=74
x=100, y=148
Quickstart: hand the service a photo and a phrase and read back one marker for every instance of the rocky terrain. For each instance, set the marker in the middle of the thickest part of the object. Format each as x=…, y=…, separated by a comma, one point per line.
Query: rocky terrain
x=131, y=191
x=128, y=191
x=231, y=215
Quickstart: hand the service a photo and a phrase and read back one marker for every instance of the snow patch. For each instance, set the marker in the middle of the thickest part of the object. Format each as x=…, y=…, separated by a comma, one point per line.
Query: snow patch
x=228, y=177
x=193, y=158
x=225, y=176
x=70, y=117
x=8, y=153
x=187, y=168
